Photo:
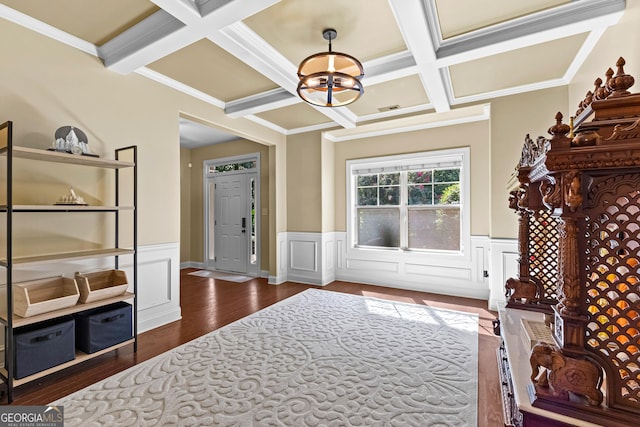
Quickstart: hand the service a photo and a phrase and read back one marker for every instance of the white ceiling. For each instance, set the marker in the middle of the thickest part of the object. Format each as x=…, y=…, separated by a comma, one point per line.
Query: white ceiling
x=419, y=56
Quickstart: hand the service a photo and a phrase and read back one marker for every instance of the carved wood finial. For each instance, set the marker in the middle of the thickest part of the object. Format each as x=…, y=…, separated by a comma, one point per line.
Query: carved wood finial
x=559, y=133
x=608, y=75
x=621, y=81
x=559, y=128
x=600, y=92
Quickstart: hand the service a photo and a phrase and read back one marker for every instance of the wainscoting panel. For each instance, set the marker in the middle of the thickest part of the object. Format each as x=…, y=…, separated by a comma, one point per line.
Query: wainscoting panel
x=504, y=264
x=434, y=271
x=303, y=255
x=282, y=260
x=372, y=265
x=328, y=258
x=158, y=285
x=320, y=258
x=457, y=275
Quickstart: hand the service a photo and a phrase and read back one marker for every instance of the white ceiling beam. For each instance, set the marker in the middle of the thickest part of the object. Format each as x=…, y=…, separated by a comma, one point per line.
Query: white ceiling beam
x=557, y=23
x=172, y=28
x=259, y=103
x=185, y=11
x=390, y=67
x=413, y=23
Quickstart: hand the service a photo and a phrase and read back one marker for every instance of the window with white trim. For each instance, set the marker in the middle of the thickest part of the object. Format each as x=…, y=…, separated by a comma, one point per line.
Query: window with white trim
x=411, y=202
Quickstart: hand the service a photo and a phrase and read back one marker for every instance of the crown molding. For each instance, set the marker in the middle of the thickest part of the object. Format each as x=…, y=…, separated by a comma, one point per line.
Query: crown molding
x=179, y=86
x=47, y=30
x=409, y=124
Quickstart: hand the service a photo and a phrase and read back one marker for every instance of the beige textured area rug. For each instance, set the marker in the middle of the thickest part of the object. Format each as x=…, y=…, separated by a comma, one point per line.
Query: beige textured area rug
x=318, y=358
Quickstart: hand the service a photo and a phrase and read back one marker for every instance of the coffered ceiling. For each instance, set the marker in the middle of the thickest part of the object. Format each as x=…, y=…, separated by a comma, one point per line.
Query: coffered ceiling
x=419, y=56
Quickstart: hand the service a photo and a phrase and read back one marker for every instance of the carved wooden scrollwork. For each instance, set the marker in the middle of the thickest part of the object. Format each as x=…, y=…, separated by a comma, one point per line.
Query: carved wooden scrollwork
x=523, y=199
x=551, y=195
x=569, y=278
x=621, y=132
x=513, y=200
x=572, y=190
x=532, y=150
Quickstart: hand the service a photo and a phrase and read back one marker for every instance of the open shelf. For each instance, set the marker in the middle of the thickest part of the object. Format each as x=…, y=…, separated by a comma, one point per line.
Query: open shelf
x=80, y=357
x=94, y=253
x=24, y=321
x=55, y=156
x=65, y=208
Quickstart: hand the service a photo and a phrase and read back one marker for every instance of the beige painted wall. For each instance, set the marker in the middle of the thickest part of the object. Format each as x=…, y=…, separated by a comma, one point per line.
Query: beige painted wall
x=477, y=136
x=304, y=182
x=512, y=117
x=46, y=84
x=197, y=157
x=621, y=40
x=328, y=185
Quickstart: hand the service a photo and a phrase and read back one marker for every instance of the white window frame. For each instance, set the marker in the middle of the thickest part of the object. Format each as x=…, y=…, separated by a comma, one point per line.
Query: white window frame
x=410, y=162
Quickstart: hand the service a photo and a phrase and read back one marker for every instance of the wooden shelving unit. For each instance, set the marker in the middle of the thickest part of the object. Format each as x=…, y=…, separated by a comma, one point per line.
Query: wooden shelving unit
x=10, y=321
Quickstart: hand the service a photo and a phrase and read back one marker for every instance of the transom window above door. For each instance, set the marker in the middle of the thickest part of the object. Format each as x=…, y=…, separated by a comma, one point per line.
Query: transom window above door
x=230, y=167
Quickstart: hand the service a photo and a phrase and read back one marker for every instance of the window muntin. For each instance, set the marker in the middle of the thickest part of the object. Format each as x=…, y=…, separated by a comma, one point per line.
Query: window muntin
x=409, y=205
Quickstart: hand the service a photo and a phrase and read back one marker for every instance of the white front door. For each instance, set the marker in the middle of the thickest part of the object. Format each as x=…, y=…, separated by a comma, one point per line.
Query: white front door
x=231, y=222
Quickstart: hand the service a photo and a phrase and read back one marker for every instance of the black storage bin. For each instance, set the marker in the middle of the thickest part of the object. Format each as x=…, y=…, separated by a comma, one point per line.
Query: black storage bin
x=103, y=327
x=43, y=346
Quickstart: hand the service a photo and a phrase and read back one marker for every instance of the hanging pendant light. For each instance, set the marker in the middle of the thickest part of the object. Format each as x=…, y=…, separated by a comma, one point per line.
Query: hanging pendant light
x=330, y=79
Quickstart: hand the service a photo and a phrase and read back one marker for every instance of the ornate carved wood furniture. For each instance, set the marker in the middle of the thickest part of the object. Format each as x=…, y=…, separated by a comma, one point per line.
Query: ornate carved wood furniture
x=589, y=180
x=535, y=288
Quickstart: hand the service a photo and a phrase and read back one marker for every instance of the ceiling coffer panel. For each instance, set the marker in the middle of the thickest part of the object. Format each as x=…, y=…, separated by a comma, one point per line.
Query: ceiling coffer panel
x=464, y=16
x=366, y=28
x=497, y=72
x=206, y=67
x=94, y=21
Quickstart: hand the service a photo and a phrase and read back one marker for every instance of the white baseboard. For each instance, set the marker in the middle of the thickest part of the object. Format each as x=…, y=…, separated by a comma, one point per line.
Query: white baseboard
x=192, y=264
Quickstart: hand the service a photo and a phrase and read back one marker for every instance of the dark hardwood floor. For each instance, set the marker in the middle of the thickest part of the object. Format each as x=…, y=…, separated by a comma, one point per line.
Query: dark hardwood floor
x=209, y=304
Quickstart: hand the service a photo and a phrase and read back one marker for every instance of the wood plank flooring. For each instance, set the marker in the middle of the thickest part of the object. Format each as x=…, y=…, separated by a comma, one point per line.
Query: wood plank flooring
x=208, y=304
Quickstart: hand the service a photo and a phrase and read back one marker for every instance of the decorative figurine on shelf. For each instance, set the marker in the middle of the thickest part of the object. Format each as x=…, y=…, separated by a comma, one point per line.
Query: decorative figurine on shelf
x=71, y=198
x=70, y=139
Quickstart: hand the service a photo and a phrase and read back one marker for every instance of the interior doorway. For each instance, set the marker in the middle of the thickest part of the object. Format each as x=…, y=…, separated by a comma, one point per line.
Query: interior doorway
x=232, y=189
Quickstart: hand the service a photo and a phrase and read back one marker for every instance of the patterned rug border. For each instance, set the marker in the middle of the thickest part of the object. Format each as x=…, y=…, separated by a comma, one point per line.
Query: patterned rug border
x=288, y=301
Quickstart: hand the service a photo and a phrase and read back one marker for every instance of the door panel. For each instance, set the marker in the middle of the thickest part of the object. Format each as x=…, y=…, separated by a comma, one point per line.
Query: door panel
x=230, y=235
